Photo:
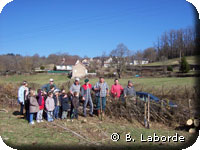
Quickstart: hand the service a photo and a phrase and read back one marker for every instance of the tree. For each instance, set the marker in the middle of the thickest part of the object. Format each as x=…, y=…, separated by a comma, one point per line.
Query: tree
x=184, y=66
x=150, y=54
x=42, y=67
x=119, y=56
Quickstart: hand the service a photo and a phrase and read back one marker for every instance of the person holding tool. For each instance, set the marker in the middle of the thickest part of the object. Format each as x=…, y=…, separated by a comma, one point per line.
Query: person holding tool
x=102, y=90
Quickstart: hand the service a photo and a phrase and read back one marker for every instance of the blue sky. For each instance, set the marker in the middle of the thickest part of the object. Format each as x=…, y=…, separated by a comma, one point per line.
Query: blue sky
x=88, y=27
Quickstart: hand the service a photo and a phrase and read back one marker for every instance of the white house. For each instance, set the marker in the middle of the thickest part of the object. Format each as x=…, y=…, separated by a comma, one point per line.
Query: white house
x=139, y=61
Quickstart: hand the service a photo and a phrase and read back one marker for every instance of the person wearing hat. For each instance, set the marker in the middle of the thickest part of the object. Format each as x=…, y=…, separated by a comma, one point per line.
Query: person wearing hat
x=86, y=97
x=22, y=95
x=75, y=87
x=129, y=91
x=47, y=87
x=57, y=102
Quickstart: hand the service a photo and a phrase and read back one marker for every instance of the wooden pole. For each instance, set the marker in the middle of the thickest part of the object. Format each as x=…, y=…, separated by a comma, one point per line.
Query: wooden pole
x=148, y=111
x=145, y=113
x=189, y=106
x=101, y=104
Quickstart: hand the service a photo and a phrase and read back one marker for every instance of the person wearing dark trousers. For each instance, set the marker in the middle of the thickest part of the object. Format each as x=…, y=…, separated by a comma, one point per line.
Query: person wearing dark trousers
x=101, y=90
x=86, y=97
x=75, y=105
x=27, y=101
x=57, y=101
x=21, y=96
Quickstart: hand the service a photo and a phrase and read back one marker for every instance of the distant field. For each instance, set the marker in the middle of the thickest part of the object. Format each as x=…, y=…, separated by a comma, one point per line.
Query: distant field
x=191, y=60
x=59, y=79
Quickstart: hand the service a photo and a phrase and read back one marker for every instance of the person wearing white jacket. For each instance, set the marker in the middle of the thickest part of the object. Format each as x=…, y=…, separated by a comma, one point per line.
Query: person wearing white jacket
x=21, y=96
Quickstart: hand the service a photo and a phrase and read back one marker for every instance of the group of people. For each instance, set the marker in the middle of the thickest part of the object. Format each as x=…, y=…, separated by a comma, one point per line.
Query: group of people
x=53, y=103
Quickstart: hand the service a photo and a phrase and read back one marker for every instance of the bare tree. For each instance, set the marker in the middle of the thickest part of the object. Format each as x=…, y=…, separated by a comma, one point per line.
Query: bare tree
x=119, y=58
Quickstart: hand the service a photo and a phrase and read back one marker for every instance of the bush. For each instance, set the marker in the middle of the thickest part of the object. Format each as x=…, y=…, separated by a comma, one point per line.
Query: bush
x=42, y=67
x=184, y=66
x=54, y=68
x=169, y=68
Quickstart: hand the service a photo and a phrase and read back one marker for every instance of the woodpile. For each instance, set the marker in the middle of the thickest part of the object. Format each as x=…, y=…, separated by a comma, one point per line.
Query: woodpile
x=158, y=112
x=193, y=125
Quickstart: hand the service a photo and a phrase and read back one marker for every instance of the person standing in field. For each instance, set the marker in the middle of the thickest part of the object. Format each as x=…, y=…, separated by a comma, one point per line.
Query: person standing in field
x=47, y=87
x=33, y=107
x=75, y=103
x=50, y=105
x=41, y=103
x=129, y=92
x=21, y=96
x=75, y=87
x=57, y=102
x=102, y=90
x=27, y=101
x=116, y=89
x=86, y=97
x=64, y=104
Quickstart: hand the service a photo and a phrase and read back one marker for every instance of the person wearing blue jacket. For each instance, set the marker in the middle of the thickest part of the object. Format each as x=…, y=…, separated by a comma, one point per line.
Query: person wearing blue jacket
x=21, y=96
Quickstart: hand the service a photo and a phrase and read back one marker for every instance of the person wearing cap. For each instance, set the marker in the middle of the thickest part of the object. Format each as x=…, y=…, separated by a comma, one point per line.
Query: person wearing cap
x=47, y=86
x=22, y=95
x=116, y=89
x=75, y=87
x=57, y=102
x=102, y=90
x=129, y=91
x=86, y=97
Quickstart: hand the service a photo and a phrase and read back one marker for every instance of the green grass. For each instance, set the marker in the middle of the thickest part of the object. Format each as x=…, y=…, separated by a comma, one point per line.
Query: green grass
x=59, y=79
x=175, y=61
x=18, y=132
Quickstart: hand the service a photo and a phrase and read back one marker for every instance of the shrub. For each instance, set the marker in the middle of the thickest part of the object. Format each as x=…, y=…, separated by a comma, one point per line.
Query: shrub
x=184, y=66
x=42, y=67
x=169, y=68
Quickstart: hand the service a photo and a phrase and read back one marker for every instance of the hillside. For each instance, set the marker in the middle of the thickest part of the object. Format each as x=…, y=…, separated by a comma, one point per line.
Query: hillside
x=191, y=60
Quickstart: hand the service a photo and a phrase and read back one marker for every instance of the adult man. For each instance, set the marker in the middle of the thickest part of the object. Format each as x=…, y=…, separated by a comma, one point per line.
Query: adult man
x=116, y=89
x=75, y=87
x=21, y=96
x=47, y=87
x=86, y=97
x=102, y=90
x=129, y=91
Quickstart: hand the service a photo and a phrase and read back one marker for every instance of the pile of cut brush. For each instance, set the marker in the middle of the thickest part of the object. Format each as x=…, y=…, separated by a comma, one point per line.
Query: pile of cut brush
x=136, y=111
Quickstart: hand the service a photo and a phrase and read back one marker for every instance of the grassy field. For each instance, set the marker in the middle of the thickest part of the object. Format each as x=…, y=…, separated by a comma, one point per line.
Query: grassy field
x=191, y=60
x=18, y=132
x=59, y=79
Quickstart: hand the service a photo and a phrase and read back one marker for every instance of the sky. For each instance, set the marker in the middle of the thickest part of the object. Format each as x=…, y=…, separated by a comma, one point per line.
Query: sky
x=88, y=27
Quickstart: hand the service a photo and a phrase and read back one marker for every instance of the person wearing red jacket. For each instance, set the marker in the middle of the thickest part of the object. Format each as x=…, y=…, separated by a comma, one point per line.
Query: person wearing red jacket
x=116, y=89
x=41, y=103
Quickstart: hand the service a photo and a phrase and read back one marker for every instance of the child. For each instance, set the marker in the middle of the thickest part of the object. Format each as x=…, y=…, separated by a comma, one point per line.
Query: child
x=64, y=104
x=41, y=106
x=75, y=105
x=50, y=105
x=57, y=102
x=33, y=107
